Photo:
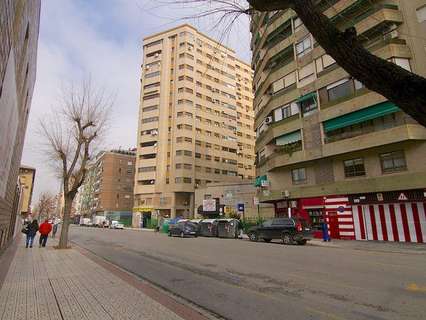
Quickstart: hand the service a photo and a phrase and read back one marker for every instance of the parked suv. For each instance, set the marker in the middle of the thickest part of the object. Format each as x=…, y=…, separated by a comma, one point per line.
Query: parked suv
x=289, y=230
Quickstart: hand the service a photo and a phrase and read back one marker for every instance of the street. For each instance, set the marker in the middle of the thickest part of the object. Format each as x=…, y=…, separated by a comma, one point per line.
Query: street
x=238, y=279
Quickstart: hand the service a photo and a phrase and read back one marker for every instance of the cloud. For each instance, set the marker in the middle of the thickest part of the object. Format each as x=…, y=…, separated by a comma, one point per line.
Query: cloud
x=102, y=39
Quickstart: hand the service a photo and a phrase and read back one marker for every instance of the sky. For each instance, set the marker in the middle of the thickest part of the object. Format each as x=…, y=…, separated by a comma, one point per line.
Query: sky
x=103, y=39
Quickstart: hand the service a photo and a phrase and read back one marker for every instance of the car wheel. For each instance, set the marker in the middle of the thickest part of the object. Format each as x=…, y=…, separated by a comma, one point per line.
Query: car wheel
x=267, y=240
x=287, y=238
x=182, y=235
x=301, y=242
x=253, y=236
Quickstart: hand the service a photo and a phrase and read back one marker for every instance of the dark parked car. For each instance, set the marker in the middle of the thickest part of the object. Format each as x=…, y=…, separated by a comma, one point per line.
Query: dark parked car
x=183, y=228
x=289, y=230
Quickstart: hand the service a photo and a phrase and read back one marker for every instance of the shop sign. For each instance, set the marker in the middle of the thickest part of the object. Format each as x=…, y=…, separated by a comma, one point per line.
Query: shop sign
x=240, y=207
x=142, y=209
x=209, y=205
x=282, y=205
x=265, y=183
x=379, y=196
x=402, y=197
x=293, y=204
x=256, y=201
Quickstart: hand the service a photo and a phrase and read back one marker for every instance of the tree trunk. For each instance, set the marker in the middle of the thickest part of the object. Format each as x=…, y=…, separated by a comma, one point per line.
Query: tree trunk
x=63, y=240
x=407, y=90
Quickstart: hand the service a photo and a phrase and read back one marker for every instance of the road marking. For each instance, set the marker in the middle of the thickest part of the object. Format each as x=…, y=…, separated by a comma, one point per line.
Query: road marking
x=415, y=288
x=327, y=315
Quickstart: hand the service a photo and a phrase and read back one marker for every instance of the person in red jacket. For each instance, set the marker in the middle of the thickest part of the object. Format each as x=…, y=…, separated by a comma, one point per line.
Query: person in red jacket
x=44, y=230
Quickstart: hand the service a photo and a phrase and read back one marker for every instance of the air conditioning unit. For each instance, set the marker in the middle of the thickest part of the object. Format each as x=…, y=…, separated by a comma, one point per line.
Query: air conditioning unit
x=268, y=120
x=157, y=55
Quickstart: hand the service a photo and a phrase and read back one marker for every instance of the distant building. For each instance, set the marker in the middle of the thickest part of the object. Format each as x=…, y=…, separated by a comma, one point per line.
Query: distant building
x=108, y=187
x=26, y=177
x=231, y=199
x=195, y=121
x=19, y=29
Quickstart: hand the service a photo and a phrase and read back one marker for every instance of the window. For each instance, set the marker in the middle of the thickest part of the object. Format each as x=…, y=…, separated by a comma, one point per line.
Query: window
x=153, y=54
x=152, y=74
x=147, y=169
x=146, y=182
x=340, y=89
x=153, y=43
x=150, y=108
x=421, y=14
x=303, y=46
x=393, y=161
x=286, y=111
x=308, y=106
x=354, y=168
x=297, y=24
x=298, y=175
x=152, y=85
x=151, y=119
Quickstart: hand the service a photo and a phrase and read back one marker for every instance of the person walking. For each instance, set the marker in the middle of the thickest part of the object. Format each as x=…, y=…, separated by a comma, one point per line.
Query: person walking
x=44, y=230
x=55, y=227
x=32, y=229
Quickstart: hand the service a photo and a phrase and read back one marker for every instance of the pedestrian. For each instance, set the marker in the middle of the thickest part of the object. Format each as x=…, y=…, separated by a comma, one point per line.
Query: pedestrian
x=32, y=229
x=44, y=230
x=325, y=235
x=55, y=228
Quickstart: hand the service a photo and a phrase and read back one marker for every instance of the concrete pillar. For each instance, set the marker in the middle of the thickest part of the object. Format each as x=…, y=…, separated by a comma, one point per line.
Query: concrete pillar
x=192, y=205
x=173, y=207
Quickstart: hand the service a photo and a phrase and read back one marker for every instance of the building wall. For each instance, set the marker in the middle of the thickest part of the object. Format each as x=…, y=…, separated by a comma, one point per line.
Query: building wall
x=26, y=176
x=195, y=120
x=108, y=187
x=18, y=51
x=232, y=194
x=291, y=70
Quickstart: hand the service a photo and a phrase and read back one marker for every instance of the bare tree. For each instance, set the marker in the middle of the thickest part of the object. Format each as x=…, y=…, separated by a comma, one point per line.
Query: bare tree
x=404, y=88
x=46, y=206
x=71, y=136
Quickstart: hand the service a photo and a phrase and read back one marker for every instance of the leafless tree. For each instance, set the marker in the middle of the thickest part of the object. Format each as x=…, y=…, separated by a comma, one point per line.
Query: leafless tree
x=71, y=135
x=45, y=206
x=404, y=88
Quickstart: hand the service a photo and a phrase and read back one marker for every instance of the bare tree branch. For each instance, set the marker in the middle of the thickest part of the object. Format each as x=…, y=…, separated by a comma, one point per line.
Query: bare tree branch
x=71, y=137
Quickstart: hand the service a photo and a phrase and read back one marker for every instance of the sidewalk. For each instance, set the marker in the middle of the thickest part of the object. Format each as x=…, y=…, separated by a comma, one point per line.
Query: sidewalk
x=45, y=283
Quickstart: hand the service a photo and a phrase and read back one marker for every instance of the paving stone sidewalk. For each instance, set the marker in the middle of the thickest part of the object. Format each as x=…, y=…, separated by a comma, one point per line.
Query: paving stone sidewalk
x=45, y=283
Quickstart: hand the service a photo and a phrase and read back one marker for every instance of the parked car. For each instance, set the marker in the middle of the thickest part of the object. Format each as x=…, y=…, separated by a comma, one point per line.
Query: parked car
x=183, y=228
x=289, y=230
x=116, y=225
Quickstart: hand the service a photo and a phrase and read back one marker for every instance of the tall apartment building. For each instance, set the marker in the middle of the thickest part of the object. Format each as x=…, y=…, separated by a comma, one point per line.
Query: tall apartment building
x=195, y=121
x=26, y=178
x=108, y=187
x=19, y=27
x=329, y=148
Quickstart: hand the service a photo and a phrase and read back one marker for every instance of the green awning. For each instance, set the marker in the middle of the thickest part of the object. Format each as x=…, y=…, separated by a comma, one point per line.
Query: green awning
x=307, y=96
x=372, y=112
x=258, y=181
x=289, y=138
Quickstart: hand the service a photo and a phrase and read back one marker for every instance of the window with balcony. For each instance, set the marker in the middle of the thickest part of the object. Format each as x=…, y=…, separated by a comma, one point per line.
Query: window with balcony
x=304, y=46
x=298, y=176
x=308, y=104
x=393, y=161
x=354, y=168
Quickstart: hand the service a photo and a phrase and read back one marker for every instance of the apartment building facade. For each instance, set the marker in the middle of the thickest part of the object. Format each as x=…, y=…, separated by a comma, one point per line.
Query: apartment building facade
x=26, y=178
x=19, y=28
x=108, y=187
x=328, y=148
x=195, y=121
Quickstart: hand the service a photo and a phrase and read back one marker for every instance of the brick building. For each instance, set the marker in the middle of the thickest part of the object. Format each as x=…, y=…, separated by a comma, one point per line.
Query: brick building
x=19, y=29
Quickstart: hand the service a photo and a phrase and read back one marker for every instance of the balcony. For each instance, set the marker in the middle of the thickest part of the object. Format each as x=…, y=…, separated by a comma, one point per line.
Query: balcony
x=400, y=133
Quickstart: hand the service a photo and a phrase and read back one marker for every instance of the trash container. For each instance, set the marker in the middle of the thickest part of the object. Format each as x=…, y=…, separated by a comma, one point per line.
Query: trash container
x=208, y=228
x=227, y=228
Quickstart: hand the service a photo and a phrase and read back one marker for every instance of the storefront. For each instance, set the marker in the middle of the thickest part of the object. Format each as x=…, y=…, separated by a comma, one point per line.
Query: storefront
x=385, y=216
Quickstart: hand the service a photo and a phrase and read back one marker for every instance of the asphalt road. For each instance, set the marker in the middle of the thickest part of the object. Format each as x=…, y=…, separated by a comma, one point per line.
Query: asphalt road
x=238, y=279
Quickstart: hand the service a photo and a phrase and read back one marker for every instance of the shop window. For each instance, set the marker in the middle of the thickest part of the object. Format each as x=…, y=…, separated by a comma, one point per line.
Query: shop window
x=354, y=168
x=393, y=161
x=298, y=176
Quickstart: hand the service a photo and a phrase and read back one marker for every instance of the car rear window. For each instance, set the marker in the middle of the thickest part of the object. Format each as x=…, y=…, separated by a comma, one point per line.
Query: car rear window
x=283, y=221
